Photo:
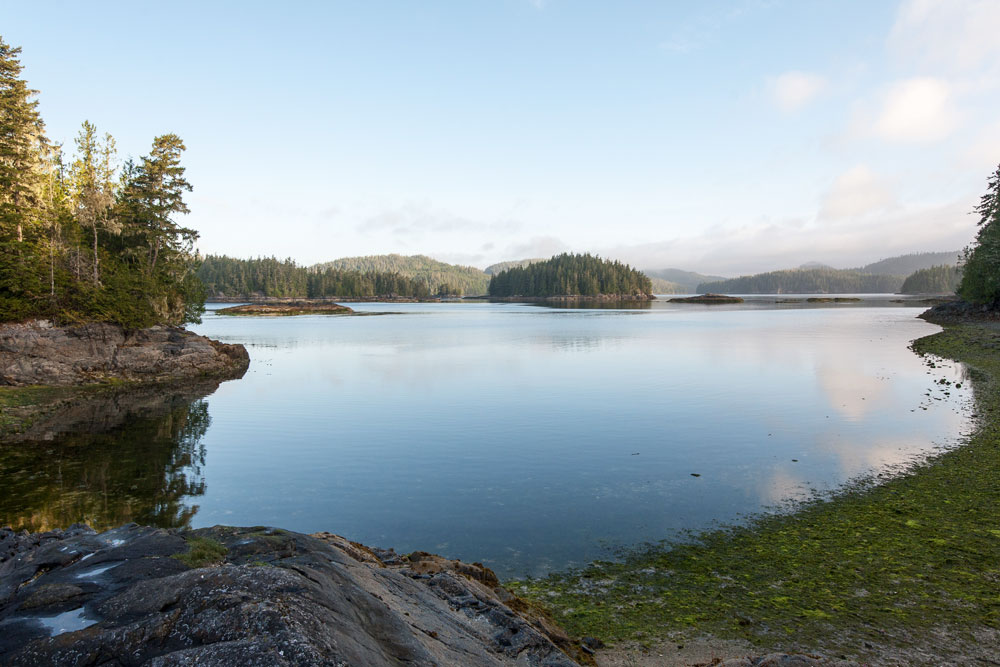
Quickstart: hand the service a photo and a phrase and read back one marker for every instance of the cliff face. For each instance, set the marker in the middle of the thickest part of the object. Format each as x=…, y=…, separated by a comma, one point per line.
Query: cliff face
x=252, y=596
x=37, y=352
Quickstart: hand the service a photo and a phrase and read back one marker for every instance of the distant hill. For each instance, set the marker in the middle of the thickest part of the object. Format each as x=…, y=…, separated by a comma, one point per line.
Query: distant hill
x=904, y=265
x=884, y=276
x=806, y=281
x=493, y=269
x=661, y=286
x=458, y=279
x=686, y=281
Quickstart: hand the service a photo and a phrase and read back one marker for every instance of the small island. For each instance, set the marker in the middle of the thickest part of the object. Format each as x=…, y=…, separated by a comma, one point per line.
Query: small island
x=708, y=299
x=298, y=307
x=832, y=299
x=569, y=277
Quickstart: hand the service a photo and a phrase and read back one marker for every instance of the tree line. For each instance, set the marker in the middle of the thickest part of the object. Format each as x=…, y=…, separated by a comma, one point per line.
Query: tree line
x=806, y=281
x=935, y=280
x=85, y=236
x=571, y=275
x=270, y=277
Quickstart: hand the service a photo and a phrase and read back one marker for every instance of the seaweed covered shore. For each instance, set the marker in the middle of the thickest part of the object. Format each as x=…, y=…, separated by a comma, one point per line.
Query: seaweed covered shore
x=905, y=571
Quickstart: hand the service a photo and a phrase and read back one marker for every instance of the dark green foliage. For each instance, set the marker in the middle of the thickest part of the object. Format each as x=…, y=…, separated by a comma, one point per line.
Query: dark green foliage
x=76, y=245
x=935, y=280
x=466, y=279
x=270, y=277
x=807, y=281
x=571, y=275
x=981, y=280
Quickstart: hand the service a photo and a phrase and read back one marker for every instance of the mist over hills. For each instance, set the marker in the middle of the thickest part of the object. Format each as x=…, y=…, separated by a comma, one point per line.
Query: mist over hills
x=904, y=265
x=884, y=276
x=677, y=281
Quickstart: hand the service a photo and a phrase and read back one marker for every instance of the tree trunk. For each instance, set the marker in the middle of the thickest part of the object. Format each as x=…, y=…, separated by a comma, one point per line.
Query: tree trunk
x=96, y=276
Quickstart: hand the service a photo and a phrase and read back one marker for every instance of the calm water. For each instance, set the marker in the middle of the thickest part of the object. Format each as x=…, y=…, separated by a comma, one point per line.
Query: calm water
x=527, y=437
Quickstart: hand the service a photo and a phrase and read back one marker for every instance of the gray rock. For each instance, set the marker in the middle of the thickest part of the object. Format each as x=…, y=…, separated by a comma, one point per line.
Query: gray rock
x=274, y=598
x=38, y=353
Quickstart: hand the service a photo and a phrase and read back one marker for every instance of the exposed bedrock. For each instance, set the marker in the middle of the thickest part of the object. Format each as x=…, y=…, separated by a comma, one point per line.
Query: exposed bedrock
x=260, y=596
x=38, y=353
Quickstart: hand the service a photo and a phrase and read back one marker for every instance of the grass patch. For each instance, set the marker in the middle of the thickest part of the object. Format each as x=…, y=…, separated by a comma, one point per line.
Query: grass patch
x=877, y=565
x=202, y=552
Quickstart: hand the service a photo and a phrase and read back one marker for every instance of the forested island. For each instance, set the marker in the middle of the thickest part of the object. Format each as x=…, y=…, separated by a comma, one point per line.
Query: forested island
x=569, y=275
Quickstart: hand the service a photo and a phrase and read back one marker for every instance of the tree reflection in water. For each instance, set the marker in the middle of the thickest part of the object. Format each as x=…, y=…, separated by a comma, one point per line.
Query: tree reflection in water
x=144, y=463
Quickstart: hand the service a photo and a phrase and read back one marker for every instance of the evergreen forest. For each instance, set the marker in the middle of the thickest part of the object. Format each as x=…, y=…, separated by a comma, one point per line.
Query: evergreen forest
x=227, y=277
x=935, y=280
x=84, y=235
x=571, y=275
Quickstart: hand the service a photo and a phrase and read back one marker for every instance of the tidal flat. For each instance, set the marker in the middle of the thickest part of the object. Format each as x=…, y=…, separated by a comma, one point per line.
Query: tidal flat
x=898, y=570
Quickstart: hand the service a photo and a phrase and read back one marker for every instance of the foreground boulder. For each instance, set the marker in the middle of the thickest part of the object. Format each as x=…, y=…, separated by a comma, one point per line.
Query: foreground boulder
x=253, y=596
x=37, y=352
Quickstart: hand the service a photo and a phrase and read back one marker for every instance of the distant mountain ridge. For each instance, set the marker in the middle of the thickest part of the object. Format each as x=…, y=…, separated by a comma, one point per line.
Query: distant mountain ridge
x=884, y=276
x=904, y=265
x=678, y=281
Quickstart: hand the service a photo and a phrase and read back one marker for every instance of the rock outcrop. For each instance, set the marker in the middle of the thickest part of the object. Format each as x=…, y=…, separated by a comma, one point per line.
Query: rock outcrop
x=39, y=353
x=957, y=312
x=253, y=596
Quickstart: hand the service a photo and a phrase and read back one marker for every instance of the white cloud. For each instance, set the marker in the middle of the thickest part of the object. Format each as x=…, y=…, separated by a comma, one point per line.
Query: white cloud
x=954, y=34
x=917, y=110
x=537, y=246
x=793, y=90
x=985, y=152
x=856, y=192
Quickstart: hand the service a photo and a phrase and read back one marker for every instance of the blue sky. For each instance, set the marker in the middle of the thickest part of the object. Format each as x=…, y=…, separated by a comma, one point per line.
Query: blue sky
x=725, y=137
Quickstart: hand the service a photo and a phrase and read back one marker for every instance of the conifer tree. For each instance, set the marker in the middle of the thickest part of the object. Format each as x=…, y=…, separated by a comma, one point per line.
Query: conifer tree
x=21, y=143
x=981, y=275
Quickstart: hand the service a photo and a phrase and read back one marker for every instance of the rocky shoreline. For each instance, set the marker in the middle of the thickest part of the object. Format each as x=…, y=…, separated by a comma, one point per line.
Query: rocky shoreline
x=261, y=596
x=39, y=353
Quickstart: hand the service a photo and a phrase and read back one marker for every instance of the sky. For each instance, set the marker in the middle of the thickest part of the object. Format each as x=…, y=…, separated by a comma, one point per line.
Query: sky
x=724, y=136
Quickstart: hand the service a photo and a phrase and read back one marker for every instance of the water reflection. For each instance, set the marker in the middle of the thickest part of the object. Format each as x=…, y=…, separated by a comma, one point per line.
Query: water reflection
x=120, y=457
